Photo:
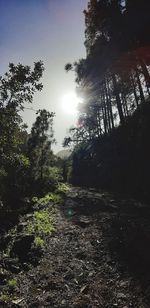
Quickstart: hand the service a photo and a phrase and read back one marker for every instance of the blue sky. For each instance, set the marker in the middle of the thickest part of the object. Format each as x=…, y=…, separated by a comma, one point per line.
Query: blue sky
x=48, y=30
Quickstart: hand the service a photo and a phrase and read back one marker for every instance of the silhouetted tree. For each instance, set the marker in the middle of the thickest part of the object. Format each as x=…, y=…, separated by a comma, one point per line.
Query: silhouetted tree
x=17, y=87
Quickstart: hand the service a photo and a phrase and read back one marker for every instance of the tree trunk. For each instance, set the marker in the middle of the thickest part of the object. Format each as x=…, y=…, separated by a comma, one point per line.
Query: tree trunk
x=145, y=73
x=110, y=105
x=125, y=105
x=118, y=100
x=134, y=91
x=140, y=86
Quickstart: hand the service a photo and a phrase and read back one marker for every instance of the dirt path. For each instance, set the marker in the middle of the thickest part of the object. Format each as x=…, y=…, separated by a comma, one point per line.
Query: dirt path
x=98, y=257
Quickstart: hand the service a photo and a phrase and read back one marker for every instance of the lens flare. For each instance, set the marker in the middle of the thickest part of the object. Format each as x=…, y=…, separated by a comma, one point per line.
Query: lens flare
x=69, y=103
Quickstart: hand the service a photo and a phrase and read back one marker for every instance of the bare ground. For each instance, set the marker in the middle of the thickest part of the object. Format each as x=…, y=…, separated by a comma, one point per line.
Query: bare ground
x=99, y=256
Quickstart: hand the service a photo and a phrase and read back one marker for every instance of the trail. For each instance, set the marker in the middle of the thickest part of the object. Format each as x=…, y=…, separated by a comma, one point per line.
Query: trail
x=98, y=257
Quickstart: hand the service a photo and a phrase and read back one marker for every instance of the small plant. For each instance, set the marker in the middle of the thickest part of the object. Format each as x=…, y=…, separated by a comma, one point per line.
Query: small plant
x=62, y=188
x=12, y=283
x=4, y=298
x=51, y=197
x=41, y=223
x=39, y=243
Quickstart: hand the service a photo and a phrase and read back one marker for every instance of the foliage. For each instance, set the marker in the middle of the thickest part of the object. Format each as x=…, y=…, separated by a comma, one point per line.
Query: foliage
x=41, y=223
x=19, y=84
x=38, y=243
x=12, y=283
x=114, y=77
x=54, y=176
x=17, y=87
x=27, y=161
x=40, y=153
x=4, y=298
x=120, y=161
x=114, y=82
x=50, y=197
x=62, y=188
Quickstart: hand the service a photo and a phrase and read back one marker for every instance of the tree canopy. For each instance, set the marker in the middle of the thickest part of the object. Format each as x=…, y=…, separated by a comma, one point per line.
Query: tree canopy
x=114, y=82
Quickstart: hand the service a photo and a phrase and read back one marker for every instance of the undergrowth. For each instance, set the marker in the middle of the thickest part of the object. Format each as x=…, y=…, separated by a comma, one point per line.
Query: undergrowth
x=50, y=197
x=41, y=223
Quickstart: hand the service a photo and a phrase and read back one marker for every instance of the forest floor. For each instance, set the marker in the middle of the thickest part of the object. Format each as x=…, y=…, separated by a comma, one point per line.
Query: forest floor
x=99, y=256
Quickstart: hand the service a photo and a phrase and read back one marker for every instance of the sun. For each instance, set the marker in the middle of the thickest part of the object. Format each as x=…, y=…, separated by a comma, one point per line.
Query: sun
x=70, y=102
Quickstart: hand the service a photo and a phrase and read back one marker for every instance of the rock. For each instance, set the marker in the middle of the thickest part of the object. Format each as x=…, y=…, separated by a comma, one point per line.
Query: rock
x=121, y=296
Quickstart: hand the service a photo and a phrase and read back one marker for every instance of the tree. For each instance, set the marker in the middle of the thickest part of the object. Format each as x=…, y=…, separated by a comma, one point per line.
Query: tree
x=39, y=145
x=114, y=78
x=17, y=87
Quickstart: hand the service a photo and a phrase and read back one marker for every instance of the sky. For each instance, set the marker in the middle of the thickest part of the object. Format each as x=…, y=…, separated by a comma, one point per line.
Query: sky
x=51, y=31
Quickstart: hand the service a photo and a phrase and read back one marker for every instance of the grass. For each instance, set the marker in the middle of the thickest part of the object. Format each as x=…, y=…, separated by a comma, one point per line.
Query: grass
x=40, y=223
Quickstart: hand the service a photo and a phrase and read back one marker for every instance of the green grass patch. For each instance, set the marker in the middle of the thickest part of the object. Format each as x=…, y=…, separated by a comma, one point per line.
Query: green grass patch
x=41, y=223
x=50, y=197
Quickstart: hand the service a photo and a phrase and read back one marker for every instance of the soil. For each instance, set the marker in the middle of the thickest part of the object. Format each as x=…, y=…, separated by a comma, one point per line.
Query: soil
x=99, y=256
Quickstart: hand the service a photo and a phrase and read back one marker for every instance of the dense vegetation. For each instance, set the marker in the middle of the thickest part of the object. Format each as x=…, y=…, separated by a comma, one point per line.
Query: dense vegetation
x=28, y=166
x=111, y=144
x=99, y=253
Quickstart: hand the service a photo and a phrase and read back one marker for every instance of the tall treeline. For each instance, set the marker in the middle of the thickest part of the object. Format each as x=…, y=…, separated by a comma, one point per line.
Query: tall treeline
x=111, y=145
x=114, y=78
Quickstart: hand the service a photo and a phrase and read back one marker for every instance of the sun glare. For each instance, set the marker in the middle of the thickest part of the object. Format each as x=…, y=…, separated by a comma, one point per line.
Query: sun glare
x=69, y=103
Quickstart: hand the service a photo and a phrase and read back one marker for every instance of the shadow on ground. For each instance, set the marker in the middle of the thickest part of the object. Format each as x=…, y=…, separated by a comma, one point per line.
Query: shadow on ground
x=125, y=225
